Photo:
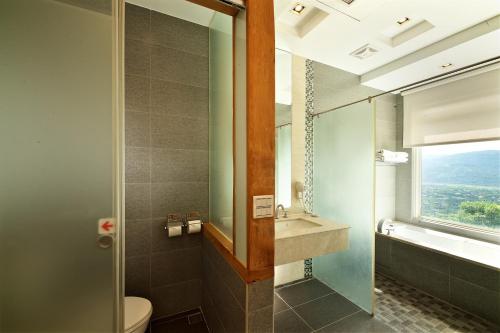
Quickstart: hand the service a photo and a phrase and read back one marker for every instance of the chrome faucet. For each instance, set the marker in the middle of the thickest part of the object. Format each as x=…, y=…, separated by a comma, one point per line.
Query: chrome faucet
x=277, y=213
x=389, y=229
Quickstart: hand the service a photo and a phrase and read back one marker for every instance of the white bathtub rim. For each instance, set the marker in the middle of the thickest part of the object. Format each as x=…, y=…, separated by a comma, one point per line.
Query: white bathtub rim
x=491, y=264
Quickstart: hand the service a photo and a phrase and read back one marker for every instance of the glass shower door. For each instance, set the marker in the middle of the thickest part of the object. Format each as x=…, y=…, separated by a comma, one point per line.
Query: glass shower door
x=57, y=169
x=343, y=189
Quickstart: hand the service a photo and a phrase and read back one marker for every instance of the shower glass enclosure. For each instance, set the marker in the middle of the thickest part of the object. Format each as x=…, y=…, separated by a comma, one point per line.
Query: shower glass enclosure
x=59, y=129
x=343, y=191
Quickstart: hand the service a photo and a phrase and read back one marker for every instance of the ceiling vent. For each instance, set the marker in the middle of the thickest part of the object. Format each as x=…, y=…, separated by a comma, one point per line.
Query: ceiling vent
x=364, y=52
x=348, y=1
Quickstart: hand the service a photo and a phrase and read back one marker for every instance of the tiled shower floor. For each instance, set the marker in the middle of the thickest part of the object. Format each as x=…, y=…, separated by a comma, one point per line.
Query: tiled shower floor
x=408, y=310
x=311, y=306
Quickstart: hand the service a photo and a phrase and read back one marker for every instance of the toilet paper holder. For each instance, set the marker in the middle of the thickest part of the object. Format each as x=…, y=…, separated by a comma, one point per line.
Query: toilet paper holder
x=177, y=222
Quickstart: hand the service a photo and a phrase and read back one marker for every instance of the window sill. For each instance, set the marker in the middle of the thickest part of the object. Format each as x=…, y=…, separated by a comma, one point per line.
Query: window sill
x=489, y=236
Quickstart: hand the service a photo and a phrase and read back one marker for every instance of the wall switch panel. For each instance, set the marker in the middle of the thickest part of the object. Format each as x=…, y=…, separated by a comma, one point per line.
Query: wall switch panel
x=263, y=206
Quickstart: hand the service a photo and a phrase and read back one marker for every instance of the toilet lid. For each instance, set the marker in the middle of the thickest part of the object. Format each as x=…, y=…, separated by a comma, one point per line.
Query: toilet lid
x=137, y=310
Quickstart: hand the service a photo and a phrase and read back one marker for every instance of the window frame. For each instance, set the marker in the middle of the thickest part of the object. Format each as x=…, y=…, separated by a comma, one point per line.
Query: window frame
x=450, y=227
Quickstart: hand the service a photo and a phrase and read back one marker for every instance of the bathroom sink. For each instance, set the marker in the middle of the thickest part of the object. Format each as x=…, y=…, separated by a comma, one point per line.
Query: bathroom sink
x=302, y=236
x=295, y=224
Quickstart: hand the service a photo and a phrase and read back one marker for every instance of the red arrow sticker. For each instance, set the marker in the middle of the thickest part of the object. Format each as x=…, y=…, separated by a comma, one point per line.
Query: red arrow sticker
x=106, y=226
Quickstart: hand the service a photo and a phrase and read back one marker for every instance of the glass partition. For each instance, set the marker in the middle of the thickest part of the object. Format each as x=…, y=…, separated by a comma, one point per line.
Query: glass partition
x=221, y=123
x=57, y=173
x=343, y=191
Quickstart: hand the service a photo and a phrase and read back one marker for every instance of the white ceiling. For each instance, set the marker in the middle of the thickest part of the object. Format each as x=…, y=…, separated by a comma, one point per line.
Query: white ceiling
x=182, y=9
x=374, y=22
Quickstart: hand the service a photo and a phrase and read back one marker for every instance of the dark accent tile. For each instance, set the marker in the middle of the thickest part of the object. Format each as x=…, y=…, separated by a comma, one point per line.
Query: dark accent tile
x=179, y=165
x=137, y=201
x=137, y=22
x=179, y=198
x=137, y=276
x=326, y=310
x=303, y=292
x=178, y=99
x=137, y=93
x=162, y=243
x=261, y=321
x=178, y=66
x=175, y=132
x=360, y=322
x=231, y=278
x=430, y=281
x=279, y=305
x=137, y=129
x=421, y=257
x=383, y=250
x=488, y=278
x=137, y=237
x=478, y=300
x=288, y=322
x=179, y=34
x=175, y=298
x=137, y=57
x=137, y=168
x=260, y=294
x=210, y=313
x=175, y=266
x=229, y=310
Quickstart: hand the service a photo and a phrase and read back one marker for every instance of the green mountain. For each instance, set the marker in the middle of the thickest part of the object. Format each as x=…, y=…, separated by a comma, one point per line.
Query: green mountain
x=480, y=168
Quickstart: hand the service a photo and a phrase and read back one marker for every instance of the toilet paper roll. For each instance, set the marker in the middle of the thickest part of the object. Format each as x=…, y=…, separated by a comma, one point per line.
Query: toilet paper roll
x=174, y=231
x=194, y=228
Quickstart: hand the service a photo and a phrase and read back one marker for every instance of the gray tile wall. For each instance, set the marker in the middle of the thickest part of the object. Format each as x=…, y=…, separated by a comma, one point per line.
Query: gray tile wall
x=472, y=287
x=229, y=303
x=166, y=155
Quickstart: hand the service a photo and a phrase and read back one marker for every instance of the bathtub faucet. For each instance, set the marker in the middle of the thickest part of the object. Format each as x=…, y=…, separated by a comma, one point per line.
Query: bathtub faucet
x=389, y=229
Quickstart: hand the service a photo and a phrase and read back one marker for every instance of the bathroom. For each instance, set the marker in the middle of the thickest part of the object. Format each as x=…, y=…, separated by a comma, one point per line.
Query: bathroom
x=187, y=130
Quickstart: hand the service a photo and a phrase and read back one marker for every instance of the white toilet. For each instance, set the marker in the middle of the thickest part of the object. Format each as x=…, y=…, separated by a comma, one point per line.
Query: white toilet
x=137, y=313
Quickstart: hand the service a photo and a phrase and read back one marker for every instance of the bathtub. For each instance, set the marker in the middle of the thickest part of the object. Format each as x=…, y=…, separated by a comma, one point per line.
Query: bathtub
x=470, y=249
x=461, y=271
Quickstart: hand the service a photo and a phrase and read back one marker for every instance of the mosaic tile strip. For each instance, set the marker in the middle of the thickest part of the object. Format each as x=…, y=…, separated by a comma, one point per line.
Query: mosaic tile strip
x=308, y=195
x=409, y=310
x=308, y=176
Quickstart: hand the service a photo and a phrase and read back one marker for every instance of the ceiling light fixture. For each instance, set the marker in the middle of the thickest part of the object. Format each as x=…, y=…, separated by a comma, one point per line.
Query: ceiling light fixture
x=348, y=1
x=446, y=65
x=298, y=8
x=403, y=20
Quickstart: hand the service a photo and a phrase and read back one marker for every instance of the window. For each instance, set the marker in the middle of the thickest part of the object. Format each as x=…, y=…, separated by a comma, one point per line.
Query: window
x=460, y=184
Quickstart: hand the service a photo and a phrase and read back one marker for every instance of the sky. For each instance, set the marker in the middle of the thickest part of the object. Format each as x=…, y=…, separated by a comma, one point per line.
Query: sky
x=461, y=148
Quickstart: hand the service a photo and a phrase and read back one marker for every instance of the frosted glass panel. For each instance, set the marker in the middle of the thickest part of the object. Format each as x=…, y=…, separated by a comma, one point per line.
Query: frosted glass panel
x=283, y=173
x=221, y=123
x=56, y=170
x=344, y=192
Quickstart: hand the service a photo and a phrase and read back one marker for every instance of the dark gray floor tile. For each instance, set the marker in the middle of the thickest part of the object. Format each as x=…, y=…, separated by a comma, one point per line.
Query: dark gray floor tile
x=326, y=310
x=279, y=305
x=181, y=325
x=303, y=292
x=360, y=322
x=288, y=322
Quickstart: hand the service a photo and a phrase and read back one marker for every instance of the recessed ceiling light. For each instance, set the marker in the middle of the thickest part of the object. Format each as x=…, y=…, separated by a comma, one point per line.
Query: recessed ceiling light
x=446, y=65
x=403, y=20
x=298, y=8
